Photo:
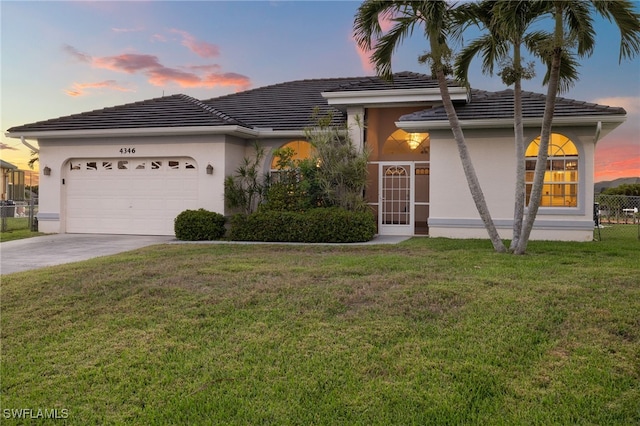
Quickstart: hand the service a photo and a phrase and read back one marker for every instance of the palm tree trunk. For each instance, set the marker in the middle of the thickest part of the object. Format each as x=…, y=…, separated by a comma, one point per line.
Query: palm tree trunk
x=467, y=165
x=518, y=210
x=545, y=135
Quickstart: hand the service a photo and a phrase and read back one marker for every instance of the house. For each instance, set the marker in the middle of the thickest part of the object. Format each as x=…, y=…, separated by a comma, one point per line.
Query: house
x=131, y=169
x=6, y=171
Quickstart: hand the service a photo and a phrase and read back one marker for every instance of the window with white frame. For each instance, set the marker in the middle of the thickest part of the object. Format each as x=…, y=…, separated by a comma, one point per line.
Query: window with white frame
x=561, y=176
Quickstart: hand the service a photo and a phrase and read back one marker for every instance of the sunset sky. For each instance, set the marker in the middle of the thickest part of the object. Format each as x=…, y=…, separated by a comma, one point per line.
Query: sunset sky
x=61, y=58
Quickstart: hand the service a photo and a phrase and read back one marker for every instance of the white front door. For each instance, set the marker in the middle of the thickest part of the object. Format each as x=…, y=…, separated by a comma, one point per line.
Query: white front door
x=396, y=199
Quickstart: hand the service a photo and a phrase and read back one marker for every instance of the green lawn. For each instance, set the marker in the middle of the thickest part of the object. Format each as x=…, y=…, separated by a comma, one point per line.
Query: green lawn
x=17, y=228
x=430, y=331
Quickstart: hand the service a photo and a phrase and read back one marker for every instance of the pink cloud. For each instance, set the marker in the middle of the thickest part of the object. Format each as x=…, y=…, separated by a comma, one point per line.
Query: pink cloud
x=201, y=48
x=207, y=76
x=80, y=89
x=127, y=62
x=365, y=60
x=240, y=81
x=162, y=76
x=158, y=37
x=386, y=23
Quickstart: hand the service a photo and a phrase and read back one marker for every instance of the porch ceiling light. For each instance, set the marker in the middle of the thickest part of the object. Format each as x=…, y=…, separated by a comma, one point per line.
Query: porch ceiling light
x=414, y=140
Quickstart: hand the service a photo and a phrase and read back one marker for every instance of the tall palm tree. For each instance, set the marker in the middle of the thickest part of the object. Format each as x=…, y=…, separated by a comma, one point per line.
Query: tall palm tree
x=436, y=18
x=573, y=22
x=508, y=24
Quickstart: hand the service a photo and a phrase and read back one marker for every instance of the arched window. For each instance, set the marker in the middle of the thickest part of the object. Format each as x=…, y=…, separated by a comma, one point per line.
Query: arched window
x=561, y=177
x=302, y=151
x=401, y=142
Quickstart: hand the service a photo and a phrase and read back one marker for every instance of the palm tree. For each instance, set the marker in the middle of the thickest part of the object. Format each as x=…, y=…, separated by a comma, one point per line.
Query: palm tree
x=573, y=22
x=508, y=23
x=437, y=19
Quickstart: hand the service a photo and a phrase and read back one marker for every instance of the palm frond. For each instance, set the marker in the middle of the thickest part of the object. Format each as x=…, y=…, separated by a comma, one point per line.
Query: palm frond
x=578, y=20
x=492, y=51
x=621, y=12
x=388, y=43
x=569, y=74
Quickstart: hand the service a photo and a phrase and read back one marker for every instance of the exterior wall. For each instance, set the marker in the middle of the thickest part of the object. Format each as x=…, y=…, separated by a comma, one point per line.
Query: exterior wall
x=236, y=150
x=452, y=211
x=56, y=153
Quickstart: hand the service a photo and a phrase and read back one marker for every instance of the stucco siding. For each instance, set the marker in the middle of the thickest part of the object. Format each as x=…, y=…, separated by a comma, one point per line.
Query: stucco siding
x=56, y=155
x=492, y=155
x=453, y=213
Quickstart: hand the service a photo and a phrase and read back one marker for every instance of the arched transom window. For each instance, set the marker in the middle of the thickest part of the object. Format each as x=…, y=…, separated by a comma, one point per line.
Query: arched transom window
x=561, y=177
x=401, y=142
x=302, y=151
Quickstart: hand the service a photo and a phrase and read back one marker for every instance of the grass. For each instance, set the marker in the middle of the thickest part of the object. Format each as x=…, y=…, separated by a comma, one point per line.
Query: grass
x=17, y=228
x=627, y=232
x=431, y=331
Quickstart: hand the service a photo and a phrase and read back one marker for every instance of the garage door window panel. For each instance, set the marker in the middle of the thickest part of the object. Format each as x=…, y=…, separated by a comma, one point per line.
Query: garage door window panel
x=129, y=196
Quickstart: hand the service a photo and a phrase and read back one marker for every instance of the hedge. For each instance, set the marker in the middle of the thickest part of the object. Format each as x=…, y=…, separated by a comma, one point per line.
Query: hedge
x=321, y=225
x=197, y=225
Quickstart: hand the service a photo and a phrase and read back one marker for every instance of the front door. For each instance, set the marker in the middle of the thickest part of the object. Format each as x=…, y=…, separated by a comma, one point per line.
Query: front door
x=396, y=199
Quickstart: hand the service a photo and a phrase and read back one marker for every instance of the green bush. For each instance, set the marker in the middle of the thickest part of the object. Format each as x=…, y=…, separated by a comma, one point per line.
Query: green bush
x=322, y=225
x=198, y=225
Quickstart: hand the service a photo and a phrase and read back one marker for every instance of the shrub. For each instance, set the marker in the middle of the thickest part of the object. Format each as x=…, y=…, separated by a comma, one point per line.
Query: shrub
x=197, y=225
x=245, y=190
x=323, y=225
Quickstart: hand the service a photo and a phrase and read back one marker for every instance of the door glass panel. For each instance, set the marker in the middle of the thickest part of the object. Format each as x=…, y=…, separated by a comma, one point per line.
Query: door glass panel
x=396, y=193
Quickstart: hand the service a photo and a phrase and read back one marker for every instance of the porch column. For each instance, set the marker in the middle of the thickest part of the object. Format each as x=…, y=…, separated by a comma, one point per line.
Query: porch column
x=355, y=123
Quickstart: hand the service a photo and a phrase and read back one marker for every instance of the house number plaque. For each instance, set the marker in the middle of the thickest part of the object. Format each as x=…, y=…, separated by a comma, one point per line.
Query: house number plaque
x=127, y=150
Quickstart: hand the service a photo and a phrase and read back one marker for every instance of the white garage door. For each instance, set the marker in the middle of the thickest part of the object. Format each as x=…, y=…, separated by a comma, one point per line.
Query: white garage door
x=129, y=196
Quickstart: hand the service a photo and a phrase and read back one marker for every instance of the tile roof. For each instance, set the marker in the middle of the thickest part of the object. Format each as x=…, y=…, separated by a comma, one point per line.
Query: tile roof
x=290, y=105
x=284, y=106
x=169, y=111
x=496, y=105
x=401, y=80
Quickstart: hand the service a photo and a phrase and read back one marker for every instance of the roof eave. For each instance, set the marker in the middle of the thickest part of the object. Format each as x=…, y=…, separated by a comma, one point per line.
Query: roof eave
x=393, y=96
x=271, y=133
x=233, y=130
x=585, y=120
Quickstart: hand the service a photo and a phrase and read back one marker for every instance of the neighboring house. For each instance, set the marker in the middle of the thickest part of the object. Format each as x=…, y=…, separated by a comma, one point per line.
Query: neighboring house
x=131, y=169
x=6, y=170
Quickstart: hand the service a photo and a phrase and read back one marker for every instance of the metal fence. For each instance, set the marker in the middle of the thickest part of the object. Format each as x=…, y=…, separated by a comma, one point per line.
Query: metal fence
x=18, y=215
x=616, y=216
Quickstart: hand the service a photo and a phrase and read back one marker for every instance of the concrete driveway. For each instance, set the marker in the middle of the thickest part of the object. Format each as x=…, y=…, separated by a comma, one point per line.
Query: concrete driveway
x=57, y=249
